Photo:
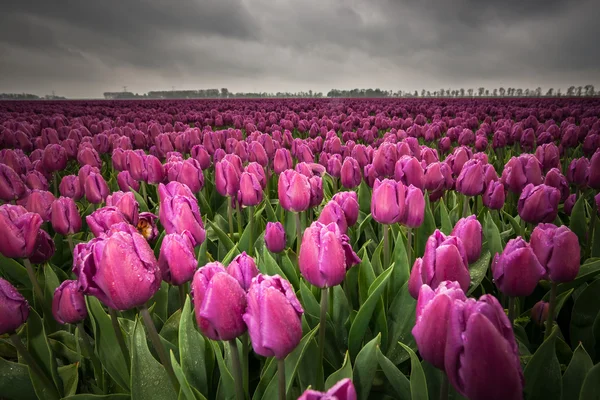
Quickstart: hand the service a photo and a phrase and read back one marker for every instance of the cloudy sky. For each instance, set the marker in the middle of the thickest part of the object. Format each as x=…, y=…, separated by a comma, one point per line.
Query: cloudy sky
x=82, y=48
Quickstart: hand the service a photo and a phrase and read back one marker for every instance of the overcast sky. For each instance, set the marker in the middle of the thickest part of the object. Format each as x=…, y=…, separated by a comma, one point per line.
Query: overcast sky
x=81, y=48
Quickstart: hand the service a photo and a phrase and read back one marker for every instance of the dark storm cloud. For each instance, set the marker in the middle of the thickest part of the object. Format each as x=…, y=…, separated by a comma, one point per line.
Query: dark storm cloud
x=82, y=48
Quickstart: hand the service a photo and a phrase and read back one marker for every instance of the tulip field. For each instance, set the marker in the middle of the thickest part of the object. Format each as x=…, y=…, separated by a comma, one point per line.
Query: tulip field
x=300, y=249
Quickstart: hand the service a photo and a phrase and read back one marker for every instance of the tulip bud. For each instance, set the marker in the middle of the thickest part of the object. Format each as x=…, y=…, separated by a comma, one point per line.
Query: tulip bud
x=127, y=204
x=44, y=248
x=243, y=269
x=334, y=165
x=471, y=181
x=538, y=203
x=65, y=216
x=146, y=226
x=570, y=203
x=445, y=259
x=179, y=213
x=579, y=171
x=250, y=193
x=21, y=228
x=548, y=156
x=282, y=160
x=156, y=171
x=71, y=187
x=35, y=180
x=294, y=191
x=187, y=172
x=273, y=316
x=520, y=171
x=517, y=271
x=219, y=303
x=384, y=159
x=316, y=191
x=557, y=180
x=433, y=314
x=409, y=171
x=275, y=237
x=14, y=309
x=350, y=174
x=594, y=176
x=110, y=266
x=388, y=201
x=558, y=251
x=343, y=390
x=227, y=178
x=470, y=232
x=101, y=220
x=136, y=164
x=414, y=208
x=11, y=185
x=539, y=313
x=482, y=357
x=68, y=304
x=333, y=213
x=349, y=203
x=177, y=261
x=96, y=188
x=126, y=182
x=54, y=158
x=174, y=189
x=40, y=202
x=87, y=155
x=438, y=177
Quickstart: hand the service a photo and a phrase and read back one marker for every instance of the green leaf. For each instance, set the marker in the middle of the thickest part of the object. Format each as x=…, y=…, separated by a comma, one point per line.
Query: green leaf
x=149, y=379
x=344, y=372
x=425, y=230
x=478, y=270
x=364, y=197
x=223, y=237
x=596, y=238
x=587, y=271
x=14, y=271
x=15, y=383
x=186, y=390
x=311, y=305
x=293, y=360
x=542, y=373
x=289, y=270
x=445, y=219
x=578, y=220
x=575, y=374
x=158, y=244
x=583, y=315
x=591, y=385
x=492, y=235
x=192, y=349
x=418, y=384
x=227, y=383
x=365, y=368
x=140, y=200
x=401, y=315
x=50, y=284
x=361, y=322
x=37, y=344
x=401, y=271
x=86, y=396
x=341, y=312
x=397, y=379
x=513, y=222
x=270, y=265
x=268, y=373
x=366, y=276
x=70, y=378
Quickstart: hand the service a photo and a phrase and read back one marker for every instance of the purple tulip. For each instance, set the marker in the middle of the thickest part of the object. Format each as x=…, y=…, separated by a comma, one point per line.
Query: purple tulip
x=187, y=172
x=146, y=226
x=101, y=220
x=521, y=171
x=127, y=204
x=334, y=165
x=35, y=180
x=68, y=304
x=282, y=161
x=294, y=191
x=54, y=158
x=384, y=159
x=349, y=203
x=40, y=202
x=275, y=237
x=199, y=153
x=110, y=266
x=350, y=175
x=549, y=156
x=343, y=390
x=438, y=177
x=44, y=248
x=433, y=315
x=561, y=265
x=273, y=316
x=517, y=271
x=250, y=193
x=177, y=261
x=594, y=176
x=87, y=155
x=494, y=196
x=126, y=182
x=65, y=216
x=388, y=201
x=71, y=187
x=471, y=181
x=579, y=171
x=179, y=213
x=538, y=203
x=11, y=185
x=470, y=232
x=414, y=208
x=445, y=259
x=539, y=312
x=316, y=191
x=409, y=171
x=21, y=228
x=174, y=189
x=333, y=213
x=227, y=178
x=557, y=180
x=243, y=269
x=570, y=203
x=156, y=171
x=219, y=303
x=95, y=188
x=14, y=309
x=136, y=164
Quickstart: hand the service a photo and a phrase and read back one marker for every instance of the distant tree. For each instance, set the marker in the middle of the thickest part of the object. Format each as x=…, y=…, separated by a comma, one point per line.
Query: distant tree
x=550, y=92
x=526, y=92
x=416, y=94
x=423, y=93
x=519, y=92
x=502, y=91
x=428, y=93
x=495, y=92
x=462, y=92
x=470, y=91
x=558, y=94
x=570, y=91
x=224, y=93
x=538, y=91
x=579, y=90
x=589, y=90
x=487, y=92
x=481, y=91
x=442, y=91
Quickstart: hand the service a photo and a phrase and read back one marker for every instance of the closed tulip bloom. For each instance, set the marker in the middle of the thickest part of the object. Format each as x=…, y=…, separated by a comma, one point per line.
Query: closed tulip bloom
x=334, y=165
x=316, y=191
x=384, y=159
x=570, y=203
x=54, y=158
x=548, y=155
x=558, y=251
x=12, y=186
x=482, y=357
x=470, y=232
x=521, y=171
x=445, y=259
x=325, y=255
x=579, y=171
x=433, y=314
x=179, y=213
x=594, y=176
x=219, y=303
x=39, y=201
x=126, y=182
x=127, y=204
x=227, y=178
x=414, y=208
x=409, y=171
x=350, y=175
x=275, y=237
x=243, y=269
x=517, y=270
x=489, y=174
x=101, y=220
x=294, y=191
x=146, y=226
x=539, y=312
x=388, y=201
x=187, y=172
x=14, y=309
x=136, y=164
x=199, y=153
x=438, y=176
x=71, y=187
x=156, y=170
x=174, y=189
x=44, y=248
x=35, y=180
x=68, y=303
x=65, y=216
x=349, y=203
x=557, y=180
x=471, y=181
x=343, y=390
x=282, y=161
x=273, y=316
x=250, y=193
x=257, y=170
x=333, y=212
x=21, y=228
x=258, y=154
x=538, y=204
x=88, y=156
x=95, y=188
x=177, y=261
x=119, y=159
x=118, y=268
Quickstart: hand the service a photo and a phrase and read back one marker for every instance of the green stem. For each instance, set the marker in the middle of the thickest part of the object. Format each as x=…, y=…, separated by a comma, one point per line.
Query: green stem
x=409, y=246
x=386, y=246
x=98, y=371
x=70, y=241
x=511, y=309
x=144, y=192
x=251, y=244
x=245, y=353
x=117, y=328
x=230, y=216
x=239, y=218
x=56, y=184
x=52, y=393
x=37, y=289
x=237, y=370
x=551, y=309
x=444, y=387
x=158, y=346
x=281, y=370
x=322, y=329
x=298, y=233
x=465, y=212
x=592, y=227
x=182, y=294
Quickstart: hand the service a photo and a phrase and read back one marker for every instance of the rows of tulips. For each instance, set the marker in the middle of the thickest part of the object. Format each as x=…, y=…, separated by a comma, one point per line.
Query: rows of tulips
x=300, y=249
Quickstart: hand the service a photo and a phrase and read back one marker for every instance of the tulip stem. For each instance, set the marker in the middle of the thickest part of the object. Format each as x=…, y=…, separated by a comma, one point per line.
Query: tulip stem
x=37, y=289
x=71, y=245
x=298, y=233
x=386, y=246
x=237, y=370
x=251, y=242
x=98, y=372
x=117, y=328
x=56, y=184
x=158, y=346
x=444, y=387
x=511, y=309
x=281, y=369
x=144, y=192
x=230, y=217
x=465, y=212
x=409, y=245
x=322, y=329
x=551, y=310
x=245, y=353
x=182, y=295
x=34, y=366
x=239, y=218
